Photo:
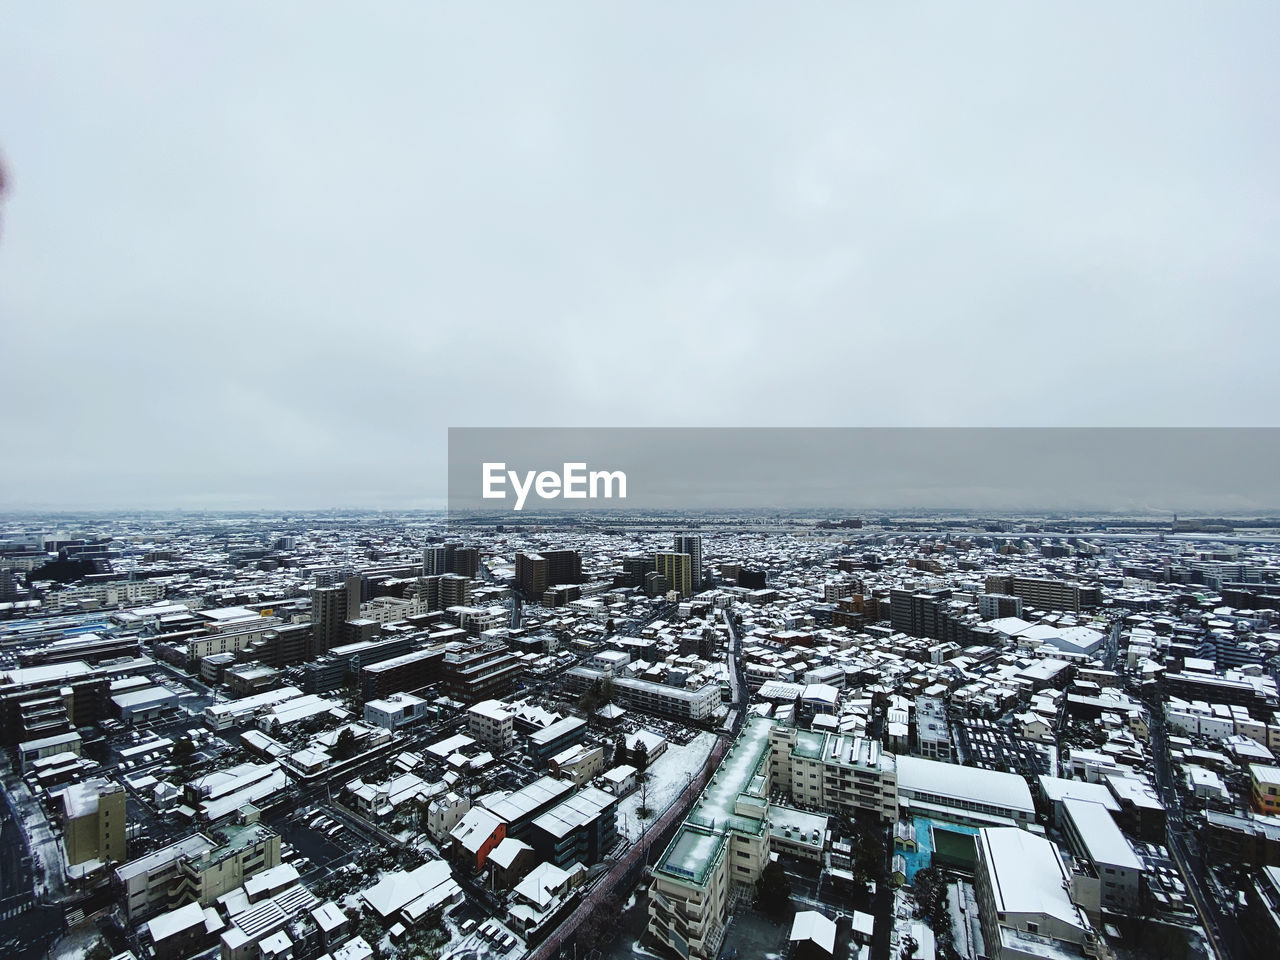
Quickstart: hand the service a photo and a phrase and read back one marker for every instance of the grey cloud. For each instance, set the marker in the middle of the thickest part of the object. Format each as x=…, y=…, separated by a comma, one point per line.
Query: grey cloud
x=264, y=254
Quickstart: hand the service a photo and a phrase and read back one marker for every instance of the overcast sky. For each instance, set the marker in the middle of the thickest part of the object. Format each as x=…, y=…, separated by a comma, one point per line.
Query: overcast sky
x=264, y=254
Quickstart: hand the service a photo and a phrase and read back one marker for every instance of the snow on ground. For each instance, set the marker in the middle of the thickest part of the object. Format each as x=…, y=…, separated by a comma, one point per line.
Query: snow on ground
x=668, y=775
x=75, y=944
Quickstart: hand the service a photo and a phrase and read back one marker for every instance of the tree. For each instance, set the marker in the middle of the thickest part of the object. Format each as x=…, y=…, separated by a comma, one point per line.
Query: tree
x=773, y=889
x=640, y=756
x=183, y=751
x=620, y=750
x=344, y=748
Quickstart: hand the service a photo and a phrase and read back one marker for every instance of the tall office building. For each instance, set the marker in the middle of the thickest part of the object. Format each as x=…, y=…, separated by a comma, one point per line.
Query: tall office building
x=677, y=568
x=692, y=545
x=331, y=608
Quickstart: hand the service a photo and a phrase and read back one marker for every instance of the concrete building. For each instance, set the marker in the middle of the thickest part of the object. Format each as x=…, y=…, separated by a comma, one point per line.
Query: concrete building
x=677, y=568
x=331, y=608
x=833, y=772
x=721, y=848
x=481, y=670
x=580, y=829
x=396, y=711
x=195, y=870
x=1114, y=878
x=692, y=545
x=93, y=817
x=1025, y=907
x=490, y=722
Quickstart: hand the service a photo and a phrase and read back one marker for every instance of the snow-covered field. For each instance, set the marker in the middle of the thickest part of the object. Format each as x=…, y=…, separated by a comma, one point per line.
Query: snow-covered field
x=668, y=775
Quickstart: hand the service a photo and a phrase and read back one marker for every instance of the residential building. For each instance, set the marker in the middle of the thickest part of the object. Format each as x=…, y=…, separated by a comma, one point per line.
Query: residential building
x=93, y=817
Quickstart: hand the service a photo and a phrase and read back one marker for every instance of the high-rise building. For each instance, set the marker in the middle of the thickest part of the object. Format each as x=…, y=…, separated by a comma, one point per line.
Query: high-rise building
x=535, y=572
x=434, y=561
x=331, y=608
x=677, y=568
x=440, y=592
x=692, y=545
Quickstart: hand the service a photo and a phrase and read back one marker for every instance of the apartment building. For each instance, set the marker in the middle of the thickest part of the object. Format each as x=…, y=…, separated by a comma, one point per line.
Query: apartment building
x=841, y=774
x=677, y=568
x=482, y=670
x=933, y=732
x=580, y=829
x=721, y=848
x=407, y=672
x=93, y=814
x=691, y=544
x=646, y=696
x=195, y=870
x=535, y=572
x=1114, y=876
x=1043, y=593
x=490, y=722
x=1264, y=788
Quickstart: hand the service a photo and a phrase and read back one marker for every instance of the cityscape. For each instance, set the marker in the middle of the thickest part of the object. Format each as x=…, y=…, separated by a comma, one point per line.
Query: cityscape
x=355, y=735
x=667, y=481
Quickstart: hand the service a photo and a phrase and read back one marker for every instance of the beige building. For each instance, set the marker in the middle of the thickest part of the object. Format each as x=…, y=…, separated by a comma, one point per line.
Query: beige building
x=677, y=568
x=1025, y=906
x=835, y=773
x=94, y=822
x=196, y=870
x=721, y=848
x=492, y=724
x=579, y=764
